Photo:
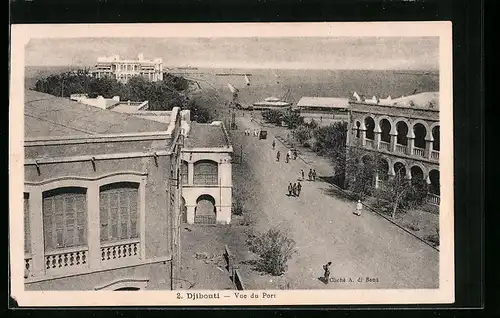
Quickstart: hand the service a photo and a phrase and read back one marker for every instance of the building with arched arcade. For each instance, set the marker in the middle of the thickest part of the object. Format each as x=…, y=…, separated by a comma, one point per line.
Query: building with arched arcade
x=403, y=132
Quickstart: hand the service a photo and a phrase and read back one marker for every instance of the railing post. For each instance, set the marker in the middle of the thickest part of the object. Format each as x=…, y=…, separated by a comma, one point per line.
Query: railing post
x=377, y=133
x=410, y=145
x=392, y=146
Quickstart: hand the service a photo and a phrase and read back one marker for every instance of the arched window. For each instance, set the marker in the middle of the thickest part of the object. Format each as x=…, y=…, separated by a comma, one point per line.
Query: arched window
x=420, y=132
x=27, y=237
x=385, y=129
x=358, y=125
x=402, y=130
x=435, y=136
x=64, y=218
x=184, y=172
x=370, y=128
x=119, y=211
x=206, y=172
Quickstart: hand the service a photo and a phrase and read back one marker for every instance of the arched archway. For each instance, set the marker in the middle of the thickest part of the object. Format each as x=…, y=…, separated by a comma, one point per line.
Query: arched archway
x=383, y=169
x=205, y=211
x=417, y=173
x=399, y=170
x=402, y=130
x=385, y=130
x=183, y=210
x=436, y=135
x=434, y=186
x=370, y=128
x=358, y=129
x=420, y=133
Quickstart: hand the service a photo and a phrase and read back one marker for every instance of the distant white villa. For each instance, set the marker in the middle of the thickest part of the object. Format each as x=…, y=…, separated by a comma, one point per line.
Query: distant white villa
x=123, y=70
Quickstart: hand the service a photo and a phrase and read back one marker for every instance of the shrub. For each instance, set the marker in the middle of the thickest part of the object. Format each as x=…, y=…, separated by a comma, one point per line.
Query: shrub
x=302, y=134
x=273, y=116
x=275, y=248
x=292, y=119
x=237, y=207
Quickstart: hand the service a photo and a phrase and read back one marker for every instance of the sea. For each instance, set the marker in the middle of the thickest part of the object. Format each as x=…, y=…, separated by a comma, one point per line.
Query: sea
x=294, y=84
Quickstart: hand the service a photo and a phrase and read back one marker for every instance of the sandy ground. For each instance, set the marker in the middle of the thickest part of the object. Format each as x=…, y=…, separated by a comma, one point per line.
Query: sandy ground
x=325, y=228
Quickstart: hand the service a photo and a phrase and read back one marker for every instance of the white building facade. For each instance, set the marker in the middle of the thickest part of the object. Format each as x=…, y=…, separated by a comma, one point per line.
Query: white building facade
x=123, y=70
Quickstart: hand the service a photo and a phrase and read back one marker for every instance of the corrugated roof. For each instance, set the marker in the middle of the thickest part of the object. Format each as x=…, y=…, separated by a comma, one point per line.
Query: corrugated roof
x=206, y=136
x=327, y=102
x=49, y=116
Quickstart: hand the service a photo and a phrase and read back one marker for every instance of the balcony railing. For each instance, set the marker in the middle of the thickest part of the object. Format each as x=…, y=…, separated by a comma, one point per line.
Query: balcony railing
x=369, y=143
x=28, y=264
x=433, y=199
x=66, y=259
x=401, y=148
x=205, y=219
x=419, y=152
x=385, y=145
x=435, y=154
x=117, y=251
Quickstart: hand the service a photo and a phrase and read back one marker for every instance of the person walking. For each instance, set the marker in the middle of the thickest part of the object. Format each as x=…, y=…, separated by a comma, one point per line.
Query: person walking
x=302, y=174
x=359, y=207
x=299, y=188
x=314, y=174
x=326, y=274
x=310, y=175
x=274, y=144
x=290, y=189
x=294, y=189
x=278, y=156
x=287, y=157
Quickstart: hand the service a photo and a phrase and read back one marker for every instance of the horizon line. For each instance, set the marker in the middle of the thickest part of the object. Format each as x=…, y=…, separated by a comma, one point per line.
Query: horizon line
x=265, y=68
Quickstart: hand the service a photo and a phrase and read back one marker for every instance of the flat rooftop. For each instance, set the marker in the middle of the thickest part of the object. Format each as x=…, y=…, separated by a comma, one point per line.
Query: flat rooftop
x=423, y=101
x=326, y=102
x=206, y=136
x=50, y=116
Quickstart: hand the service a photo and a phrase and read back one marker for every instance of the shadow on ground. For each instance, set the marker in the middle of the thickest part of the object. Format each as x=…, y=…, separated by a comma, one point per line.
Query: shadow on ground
x=338, y=194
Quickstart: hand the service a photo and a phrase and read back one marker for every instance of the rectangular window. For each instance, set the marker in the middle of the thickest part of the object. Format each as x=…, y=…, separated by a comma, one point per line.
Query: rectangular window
x=27, y=230
x=64, y=218
x=119, y=212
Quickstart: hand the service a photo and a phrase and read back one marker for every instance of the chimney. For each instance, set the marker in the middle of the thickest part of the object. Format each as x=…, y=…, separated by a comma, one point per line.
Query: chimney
x=140, y=56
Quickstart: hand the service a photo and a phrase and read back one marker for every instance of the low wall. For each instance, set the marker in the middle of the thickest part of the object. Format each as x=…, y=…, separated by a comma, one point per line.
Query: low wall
x=232, y=268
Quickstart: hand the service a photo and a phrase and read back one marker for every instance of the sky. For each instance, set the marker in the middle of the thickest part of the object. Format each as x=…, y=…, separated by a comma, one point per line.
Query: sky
x=369, y=53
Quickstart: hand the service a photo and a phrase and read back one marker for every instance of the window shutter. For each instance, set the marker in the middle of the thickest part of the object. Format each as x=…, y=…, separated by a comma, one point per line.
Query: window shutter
x=134, y=216
x=124, y=212
x=64, y=218
x=121, y=222
x=104, y=215
x=114, y=215
x=81, y=219
x=27, y=230
x=48, y=208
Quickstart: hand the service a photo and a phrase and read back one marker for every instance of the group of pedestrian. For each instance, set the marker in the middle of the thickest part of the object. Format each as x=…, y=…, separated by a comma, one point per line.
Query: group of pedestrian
x=294, y=189
x=252, y=132
x=289, y=155
x=311, y=175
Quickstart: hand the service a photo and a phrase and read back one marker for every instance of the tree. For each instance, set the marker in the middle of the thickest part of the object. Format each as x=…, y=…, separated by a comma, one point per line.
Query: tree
x=331, y=138
x=275, y=248
x=401, y=193
x=302, y=134
x=273, y=116
x=292, y=119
